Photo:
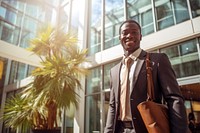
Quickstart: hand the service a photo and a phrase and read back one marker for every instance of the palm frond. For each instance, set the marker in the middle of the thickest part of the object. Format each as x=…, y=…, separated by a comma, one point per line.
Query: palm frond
x=54, y=85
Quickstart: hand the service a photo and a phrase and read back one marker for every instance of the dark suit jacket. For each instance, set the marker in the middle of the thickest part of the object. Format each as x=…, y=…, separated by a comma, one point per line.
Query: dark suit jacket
x=165, y=85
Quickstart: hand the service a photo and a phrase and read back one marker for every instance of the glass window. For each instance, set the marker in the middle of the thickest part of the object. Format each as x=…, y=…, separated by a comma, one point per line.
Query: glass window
x=95, y=27
x=108, y=37
x=18, y=72
x=195, y=7
x=30, y=69
x=16, y=4
x=106, y=74
x=186, y=68
x=48, y=14
x=106, y=106
x=92, y=116
x=41, y=14
x=188, y=47
x=29, y=30
x=25, y=39
x=12, y=16
x=34, y=10
x=22, y=71
x=177, y=70
x=164, y=14
x=172, y=51
x=75, y=15
x=186, y=61
x=147, y=22
x=116, y=34
x=95, y=40
x=13, y=72
x=94, y=81
x=65, y=16
x=114, y=15
x=53, y=2
x=181, y=10
x=141, y=11
x=2, y=12
x=30, y=24
x=9, y=33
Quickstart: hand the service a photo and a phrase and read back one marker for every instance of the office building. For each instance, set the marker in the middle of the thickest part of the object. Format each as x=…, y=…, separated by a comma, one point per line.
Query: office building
x=168, y=26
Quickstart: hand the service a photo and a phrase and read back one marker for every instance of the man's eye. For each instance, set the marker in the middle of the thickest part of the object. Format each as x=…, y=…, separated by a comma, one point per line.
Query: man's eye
x=124, y=33
x=135, y=33
x=132, y=33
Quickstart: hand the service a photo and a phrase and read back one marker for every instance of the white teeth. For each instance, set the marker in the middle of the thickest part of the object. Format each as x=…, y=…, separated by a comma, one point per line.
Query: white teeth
x=129, y=41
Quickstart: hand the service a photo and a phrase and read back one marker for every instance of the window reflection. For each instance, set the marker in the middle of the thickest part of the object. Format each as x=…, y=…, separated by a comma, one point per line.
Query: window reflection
x=65, y=16
x=94, y=80
x=95, y=27
x=75, y=16
x=35, y=10
x=18, y=72
x=171, y=51
x=29, y=30
x=95, y=40
x=113, y=18
x=180, y=10
x=188, y=47
x=141, y=11
x=30, y=69
x=25, y=39
x=22, y=71
x=195, y=7
x=170, y=12
x=164, y=14
x=184, y=58
x=9, y=33
x=147, y=22
x=14, y=3
x=107, y=68
x=106, y=106
x=11, y=25
x=92, y=119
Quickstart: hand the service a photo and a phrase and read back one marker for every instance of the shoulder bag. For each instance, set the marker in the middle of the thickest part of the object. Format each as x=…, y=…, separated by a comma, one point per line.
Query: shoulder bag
x=154, y=115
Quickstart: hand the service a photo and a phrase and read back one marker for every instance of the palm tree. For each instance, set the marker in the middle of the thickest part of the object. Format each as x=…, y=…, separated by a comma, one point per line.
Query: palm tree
x=53, y=86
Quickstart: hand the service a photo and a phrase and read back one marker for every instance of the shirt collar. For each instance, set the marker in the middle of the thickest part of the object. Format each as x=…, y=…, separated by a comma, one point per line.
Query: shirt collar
x=135, y=54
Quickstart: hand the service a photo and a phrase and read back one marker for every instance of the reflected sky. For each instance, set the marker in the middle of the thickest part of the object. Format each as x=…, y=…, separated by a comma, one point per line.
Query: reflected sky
x=109, y=6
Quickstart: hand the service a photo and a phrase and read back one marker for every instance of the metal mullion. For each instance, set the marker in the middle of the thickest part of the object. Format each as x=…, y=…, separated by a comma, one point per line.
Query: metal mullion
x=125, y=10
x=189, y=9
x=102, y=48
x=154, y=16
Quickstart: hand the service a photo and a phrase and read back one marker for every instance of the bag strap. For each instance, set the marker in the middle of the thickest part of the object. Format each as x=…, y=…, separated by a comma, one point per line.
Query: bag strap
x=150, y=86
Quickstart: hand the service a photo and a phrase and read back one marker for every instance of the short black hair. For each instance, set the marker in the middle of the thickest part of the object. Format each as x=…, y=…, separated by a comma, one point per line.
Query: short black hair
x=129, y=21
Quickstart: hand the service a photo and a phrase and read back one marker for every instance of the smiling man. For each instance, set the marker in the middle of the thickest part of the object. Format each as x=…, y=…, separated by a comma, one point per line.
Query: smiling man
x=128, y=84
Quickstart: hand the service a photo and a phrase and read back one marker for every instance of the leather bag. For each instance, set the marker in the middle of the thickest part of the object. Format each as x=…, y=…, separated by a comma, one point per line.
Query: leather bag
x=154, y=115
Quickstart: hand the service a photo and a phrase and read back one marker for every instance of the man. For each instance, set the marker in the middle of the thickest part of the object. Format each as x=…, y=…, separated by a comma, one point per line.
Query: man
x=165, y=86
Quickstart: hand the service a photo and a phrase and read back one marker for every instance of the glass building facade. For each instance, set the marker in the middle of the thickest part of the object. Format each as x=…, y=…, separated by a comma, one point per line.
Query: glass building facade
x=162, y=23
x=19, y=22
x=168, y=26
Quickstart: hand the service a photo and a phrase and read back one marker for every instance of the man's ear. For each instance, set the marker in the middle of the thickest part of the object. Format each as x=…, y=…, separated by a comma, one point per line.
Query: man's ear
x=140, y=37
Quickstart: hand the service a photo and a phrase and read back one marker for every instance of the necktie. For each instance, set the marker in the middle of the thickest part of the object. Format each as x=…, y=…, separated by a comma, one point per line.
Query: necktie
x=125, y=90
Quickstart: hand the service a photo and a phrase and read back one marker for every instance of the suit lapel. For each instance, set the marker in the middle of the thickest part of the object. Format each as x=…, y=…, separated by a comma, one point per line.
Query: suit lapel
x=137, y=70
